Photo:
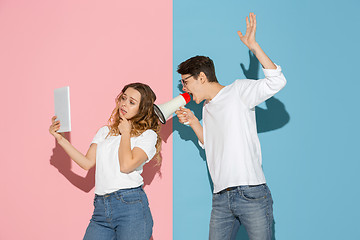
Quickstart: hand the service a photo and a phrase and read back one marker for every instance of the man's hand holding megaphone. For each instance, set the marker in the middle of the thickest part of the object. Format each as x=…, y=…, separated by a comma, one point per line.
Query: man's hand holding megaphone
x=186, y=116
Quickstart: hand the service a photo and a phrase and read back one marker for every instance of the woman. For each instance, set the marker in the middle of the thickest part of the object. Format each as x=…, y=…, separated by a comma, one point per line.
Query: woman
x=120, y=150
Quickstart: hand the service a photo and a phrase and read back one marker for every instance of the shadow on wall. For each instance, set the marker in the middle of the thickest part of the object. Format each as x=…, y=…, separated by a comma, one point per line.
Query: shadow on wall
x=273, y=117
x=152, y=168
x=186, y=133
x=62, y=162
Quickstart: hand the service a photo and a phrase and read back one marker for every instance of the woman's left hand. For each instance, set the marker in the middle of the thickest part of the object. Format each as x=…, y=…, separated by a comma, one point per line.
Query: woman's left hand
x=124, y=125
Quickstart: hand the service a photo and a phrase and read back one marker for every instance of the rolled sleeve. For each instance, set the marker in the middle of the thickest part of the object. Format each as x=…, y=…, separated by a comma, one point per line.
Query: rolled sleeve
x=277, y=77
x=272, y=72
x=254, y=92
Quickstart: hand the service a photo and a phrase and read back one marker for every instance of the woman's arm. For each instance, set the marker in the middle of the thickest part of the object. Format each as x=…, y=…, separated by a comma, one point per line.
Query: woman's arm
x=129, y=159
x=86, y=162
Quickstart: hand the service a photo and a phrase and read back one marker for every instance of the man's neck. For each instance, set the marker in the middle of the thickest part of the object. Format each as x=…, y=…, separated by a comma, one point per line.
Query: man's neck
x=213, y=89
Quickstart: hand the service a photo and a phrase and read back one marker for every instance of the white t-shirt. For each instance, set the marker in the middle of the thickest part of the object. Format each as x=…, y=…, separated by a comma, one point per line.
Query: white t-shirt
x=229, y=129
x=108, y=177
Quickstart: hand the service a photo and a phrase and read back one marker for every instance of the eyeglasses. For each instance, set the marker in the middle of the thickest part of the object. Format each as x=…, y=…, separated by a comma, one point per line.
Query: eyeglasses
x=183, y=82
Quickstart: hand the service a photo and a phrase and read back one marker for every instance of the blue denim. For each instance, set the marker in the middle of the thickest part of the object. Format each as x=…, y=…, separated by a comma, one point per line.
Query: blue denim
x=250, y=206
x=121, y=215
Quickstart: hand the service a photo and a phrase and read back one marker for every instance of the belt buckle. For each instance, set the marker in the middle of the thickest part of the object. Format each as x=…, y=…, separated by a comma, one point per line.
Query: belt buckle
x=229, y=189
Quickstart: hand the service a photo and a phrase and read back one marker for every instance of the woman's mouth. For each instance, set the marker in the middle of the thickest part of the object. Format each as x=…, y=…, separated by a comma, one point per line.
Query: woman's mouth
x=123, y=111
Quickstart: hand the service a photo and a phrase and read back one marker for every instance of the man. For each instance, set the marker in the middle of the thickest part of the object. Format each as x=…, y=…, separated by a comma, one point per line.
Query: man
x=230, y=139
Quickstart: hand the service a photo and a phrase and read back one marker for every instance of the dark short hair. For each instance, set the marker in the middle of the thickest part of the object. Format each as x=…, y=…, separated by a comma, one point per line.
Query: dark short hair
x=196, y=65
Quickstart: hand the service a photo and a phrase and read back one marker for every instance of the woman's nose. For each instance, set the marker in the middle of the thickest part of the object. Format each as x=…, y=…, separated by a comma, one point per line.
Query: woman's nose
x=184, y=88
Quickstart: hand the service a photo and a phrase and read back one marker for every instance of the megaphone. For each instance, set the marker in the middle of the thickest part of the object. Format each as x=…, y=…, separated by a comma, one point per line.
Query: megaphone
x=165, y=110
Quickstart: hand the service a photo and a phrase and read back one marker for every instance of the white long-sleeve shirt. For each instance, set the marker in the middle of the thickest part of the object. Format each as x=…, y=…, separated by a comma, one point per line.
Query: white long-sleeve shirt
x=229, y=129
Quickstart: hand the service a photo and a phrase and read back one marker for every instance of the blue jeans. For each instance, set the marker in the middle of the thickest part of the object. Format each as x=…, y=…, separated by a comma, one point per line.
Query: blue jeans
x=250, y=206
x=121, y=215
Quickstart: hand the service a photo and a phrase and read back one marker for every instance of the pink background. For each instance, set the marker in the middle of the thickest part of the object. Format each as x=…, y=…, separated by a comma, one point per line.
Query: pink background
x=95, y=47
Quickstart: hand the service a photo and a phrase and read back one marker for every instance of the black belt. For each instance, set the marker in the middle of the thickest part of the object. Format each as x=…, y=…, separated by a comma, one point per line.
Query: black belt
x=233, y=188
x=227, y=189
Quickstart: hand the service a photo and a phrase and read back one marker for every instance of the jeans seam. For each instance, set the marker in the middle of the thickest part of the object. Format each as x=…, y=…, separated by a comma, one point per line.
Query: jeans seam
x=145, y=222
x=230, y=200
x=268, y=215
x=107, y=209
x=142, y=195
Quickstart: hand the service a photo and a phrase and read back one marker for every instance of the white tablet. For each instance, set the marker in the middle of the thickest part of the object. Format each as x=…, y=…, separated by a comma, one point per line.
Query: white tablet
x=62, y=108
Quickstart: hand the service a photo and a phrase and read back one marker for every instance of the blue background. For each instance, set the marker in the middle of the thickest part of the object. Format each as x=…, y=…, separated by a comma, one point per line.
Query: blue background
x=308, y=132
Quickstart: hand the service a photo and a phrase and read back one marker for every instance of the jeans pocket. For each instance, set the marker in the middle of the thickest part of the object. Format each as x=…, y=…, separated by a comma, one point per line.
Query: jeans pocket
x=216, y=196
x=255, y=193
x=143, y=197
x=130, y=197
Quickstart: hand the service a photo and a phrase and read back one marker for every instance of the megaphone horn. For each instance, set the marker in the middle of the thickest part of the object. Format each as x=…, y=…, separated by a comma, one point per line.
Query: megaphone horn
x=165, y=110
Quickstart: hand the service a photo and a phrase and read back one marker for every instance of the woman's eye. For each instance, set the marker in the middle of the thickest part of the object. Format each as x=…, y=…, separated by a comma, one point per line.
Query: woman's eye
x=123, y=98
x=132, y=103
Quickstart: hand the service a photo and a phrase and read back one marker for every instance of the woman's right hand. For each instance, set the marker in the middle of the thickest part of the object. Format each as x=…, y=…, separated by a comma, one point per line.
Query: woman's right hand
x=54, y=127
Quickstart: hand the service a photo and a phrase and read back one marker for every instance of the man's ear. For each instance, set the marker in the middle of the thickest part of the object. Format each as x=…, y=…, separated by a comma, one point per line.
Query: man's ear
x=202, y=77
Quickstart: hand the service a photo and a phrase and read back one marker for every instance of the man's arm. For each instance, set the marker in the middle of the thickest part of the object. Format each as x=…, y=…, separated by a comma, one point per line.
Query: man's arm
x=255, y=92
x=249, y=40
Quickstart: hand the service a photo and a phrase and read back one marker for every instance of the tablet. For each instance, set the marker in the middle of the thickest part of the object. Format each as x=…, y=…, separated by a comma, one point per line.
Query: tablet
x=62, y=108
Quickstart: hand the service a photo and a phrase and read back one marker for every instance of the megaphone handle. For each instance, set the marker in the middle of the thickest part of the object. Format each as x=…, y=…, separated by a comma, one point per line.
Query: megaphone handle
x=185, y=123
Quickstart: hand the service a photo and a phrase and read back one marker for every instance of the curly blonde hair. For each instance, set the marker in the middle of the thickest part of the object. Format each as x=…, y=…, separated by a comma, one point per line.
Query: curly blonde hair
x=144, y=119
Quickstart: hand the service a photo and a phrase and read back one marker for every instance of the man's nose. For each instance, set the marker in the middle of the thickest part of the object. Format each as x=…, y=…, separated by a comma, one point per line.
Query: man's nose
x=184, y=88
